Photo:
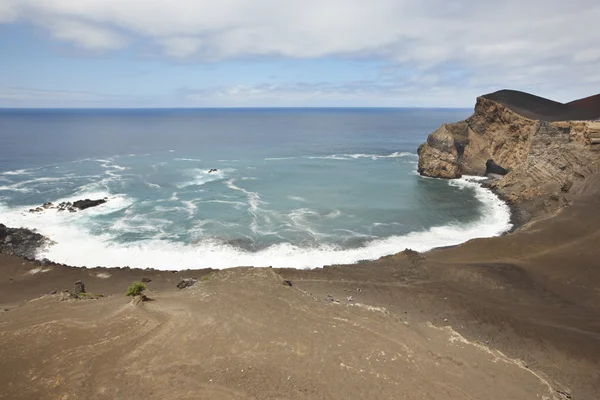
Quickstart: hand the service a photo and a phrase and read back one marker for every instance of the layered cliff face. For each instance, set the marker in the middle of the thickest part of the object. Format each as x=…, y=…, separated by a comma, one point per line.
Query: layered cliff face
x=544, y=161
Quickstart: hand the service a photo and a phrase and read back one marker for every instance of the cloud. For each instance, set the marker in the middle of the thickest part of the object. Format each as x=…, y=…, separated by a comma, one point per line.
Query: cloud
x=180, y=47
x=7, y=12
x=507, y=43
x=86, y=35
x=428, y=31
x=351, y=93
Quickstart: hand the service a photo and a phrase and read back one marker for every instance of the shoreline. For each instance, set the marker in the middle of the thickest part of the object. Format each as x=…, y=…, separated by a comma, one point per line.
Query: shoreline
x=43, y=261
x=519, y=216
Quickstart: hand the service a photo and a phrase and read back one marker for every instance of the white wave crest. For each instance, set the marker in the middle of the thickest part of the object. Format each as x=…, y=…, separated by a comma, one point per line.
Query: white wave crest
x=75, y=245
x=187, y=159
x=254, y=202
x=298, y=198
x=17, y=172
x=357, y=156
x=201, y=177
x=26, y=186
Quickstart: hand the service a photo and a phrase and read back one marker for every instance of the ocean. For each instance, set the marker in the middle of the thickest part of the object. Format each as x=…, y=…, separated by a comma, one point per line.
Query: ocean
x=299, y=188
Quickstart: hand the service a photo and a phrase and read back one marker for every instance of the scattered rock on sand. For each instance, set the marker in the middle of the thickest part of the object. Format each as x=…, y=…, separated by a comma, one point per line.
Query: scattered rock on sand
x=146, y=280
x=564, y=394
x=287, y=283
x=414, y=257
x=43, y=262
x=186, y=282
x=79, y=287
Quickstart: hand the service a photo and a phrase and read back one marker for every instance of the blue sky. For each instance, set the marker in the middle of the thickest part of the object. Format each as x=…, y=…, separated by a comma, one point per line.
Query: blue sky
x=199, y=53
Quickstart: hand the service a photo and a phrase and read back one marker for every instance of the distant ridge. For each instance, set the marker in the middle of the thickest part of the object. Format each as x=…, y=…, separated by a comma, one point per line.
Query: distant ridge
x=539, y=108
x=591, y=103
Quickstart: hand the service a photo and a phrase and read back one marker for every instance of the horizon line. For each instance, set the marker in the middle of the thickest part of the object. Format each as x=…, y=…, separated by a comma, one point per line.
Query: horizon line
x=232, y=108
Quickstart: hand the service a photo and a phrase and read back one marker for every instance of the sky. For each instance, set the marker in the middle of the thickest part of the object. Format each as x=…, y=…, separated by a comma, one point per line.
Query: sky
x=294, y=53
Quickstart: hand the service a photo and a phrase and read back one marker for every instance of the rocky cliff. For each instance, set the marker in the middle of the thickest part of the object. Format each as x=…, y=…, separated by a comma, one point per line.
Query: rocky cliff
x=542, y=163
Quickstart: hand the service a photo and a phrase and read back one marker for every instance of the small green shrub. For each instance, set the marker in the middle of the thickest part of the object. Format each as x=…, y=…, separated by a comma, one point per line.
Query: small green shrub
x=135, y=289
x=205, y=278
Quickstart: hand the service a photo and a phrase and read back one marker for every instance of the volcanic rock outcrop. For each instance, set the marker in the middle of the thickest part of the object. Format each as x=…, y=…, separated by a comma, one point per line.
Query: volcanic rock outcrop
x=536, y=163
x=20, y=242
x=78, y=205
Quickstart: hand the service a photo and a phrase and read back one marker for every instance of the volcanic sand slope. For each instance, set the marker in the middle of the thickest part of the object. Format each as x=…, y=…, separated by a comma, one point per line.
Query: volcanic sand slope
x=591, y=104
x=539, y=108
x=243, y=334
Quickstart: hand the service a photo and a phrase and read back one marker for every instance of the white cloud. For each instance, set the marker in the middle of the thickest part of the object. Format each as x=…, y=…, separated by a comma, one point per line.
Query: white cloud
x=86, y=35
x=180, y=47
x=498, y=42
x=7, y=12
x=430, y=30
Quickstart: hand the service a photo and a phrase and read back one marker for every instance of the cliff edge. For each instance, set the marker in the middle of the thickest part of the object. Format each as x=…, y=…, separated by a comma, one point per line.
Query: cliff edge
x=534, y=163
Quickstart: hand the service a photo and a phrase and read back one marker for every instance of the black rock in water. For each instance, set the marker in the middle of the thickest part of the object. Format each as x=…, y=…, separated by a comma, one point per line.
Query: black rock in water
x=68, y=206
x=87, y=203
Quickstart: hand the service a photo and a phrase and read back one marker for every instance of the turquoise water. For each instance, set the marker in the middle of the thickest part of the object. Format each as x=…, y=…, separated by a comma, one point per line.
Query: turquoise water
x=293, y=188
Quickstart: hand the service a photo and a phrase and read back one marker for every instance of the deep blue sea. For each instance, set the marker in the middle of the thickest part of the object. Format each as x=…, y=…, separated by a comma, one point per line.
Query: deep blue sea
x=296, y=188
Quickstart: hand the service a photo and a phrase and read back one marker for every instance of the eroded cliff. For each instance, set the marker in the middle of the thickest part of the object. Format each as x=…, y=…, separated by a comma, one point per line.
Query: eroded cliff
x=545, y=162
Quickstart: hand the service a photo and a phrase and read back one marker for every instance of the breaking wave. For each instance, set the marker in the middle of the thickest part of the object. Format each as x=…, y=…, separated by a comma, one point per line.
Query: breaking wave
x=76, y=245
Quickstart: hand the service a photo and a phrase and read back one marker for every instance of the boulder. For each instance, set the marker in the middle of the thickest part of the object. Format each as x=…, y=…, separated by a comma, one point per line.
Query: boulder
x=567, y=185
x=79, y=287
x=87, y=203
x=186, y=282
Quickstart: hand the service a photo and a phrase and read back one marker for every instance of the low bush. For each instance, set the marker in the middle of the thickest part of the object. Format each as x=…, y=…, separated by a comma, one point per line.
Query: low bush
x=135, y=289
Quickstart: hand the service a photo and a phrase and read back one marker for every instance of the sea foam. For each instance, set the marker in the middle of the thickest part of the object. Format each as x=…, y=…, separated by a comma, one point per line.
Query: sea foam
x=76, y=246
